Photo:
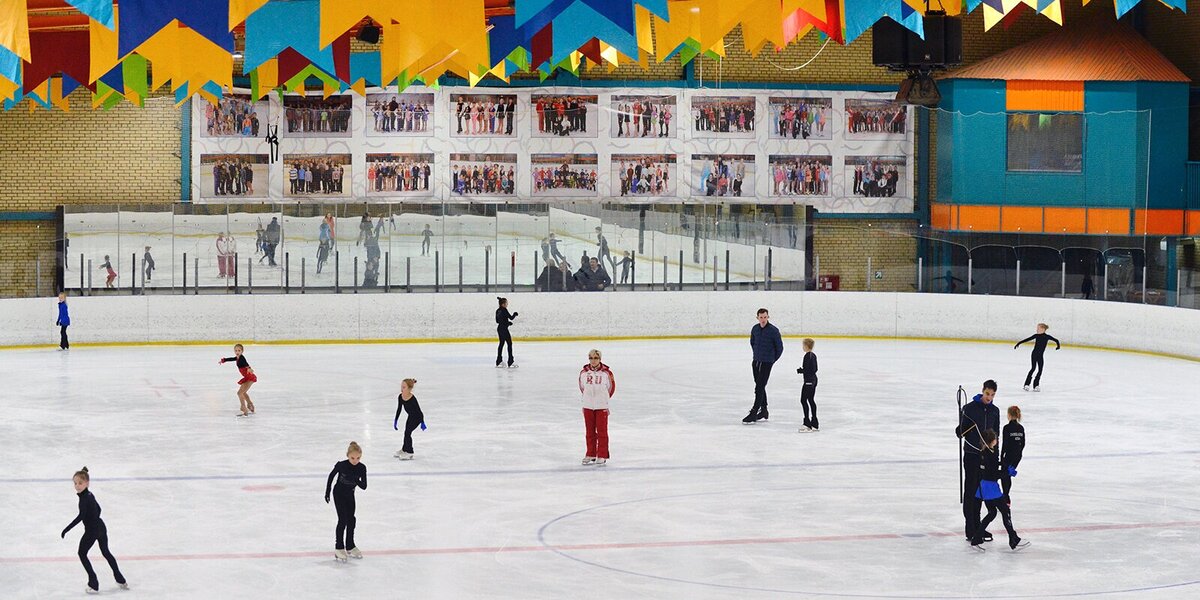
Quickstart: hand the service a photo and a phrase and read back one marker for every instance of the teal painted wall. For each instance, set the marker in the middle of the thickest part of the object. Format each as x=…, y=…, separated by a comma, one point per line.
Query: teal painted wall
x=1126, y=152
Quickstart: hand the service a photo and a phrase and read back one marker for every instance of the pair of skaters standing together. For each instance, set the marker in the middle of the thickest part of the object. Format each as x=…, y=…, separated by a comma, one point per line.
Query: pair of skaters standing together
x=767, y=344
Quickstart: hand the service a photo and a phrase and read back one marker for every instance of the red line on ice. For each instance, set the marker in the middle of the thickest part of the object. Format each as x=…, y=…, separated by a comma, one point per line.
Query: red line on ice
x=604, y=546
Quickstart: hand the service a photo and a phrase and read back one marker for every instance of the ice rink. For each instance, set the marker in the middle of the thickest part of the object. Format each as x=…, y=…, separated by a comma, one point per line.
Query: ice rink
x=692, y=505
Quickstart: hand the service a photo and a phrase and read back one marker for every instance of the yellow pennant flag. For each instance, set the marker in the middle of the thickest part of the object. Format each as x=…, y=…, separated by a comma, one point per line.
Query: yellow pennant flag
x=14, y=27
x=240, y=9
x=102, y=48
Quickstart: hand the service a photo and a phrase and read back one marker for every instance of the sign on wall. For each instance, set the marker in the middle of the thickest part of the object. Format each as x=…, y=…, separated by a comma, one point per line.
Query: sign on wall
x=840, y=151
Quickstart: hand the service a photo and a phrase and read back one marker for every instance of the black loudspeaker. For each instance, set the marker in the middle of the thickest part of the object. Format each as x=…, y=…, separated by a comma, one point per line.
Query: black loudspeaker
x=369, y=34
x=894, y=46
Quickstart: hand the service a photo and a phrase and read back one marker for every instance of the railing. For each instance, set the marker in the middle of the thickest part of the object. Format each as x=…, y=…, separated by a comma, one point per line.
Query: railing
x=306, y=248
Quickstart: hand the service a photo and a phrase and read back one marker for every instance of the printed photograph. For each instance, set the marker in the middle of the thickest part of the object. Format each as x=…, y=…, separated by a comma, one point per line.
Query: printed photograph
x=483, y=174
x=875, y=119
x=643, y=116
x=644, y=175
x=235, y=115
x=799, y=174
x=562, y=116
x=316, y=175
x=400, y=114
x=491, y=115
x=563, y=174
x=728, y=175
x=723, y=116
x=876, y=176
x=800, y=118
x=314, y=116
x=233, y=175
x=399, y=174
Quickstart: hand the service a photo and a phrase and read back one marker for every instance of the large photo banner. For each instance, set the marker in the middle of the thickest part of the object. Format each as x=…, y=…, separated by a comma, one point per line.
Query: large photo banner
x=839, y=151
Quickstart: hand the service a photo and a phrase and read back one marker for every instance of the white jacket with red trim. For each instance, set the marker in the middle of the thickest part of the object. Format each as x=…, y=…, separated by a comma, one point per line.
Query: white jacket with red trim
x=596, y=386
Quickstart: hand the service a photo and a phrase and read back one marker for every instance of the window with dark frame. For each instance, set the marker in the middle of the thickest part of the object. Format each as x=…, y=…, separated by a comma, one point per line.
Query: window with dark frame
x=1045, y=142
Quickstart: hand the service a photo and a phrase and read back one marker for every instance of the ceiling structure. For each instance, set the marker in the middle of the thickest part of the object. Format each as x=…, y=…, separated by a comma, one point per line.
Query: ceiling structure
x=50, y=47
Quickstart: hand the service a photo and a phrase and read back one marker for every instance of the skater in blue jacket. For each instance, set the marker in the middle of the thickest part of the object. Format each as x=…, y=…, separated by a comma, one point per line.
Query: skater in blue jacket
x=64, y=321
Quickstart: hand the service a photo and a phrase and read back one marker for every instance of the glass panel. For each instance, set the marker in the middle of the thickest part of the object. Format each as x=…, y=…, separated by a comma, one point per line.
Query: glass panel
x=200, y=232
x=146, y=242
x=1124, y=278
x=469, y=241
x=415, y=239
x=1045, y=142
x=1041, y=271
x=574, y=239
x=523, y=248
x=257, y=235
x=994, y=270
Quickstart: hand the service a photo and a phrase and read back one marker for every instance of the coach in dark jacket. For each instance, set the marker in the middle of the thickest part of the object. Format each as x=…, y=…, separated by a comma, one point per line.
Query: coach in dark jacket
x=977, y=416
x=767, y=344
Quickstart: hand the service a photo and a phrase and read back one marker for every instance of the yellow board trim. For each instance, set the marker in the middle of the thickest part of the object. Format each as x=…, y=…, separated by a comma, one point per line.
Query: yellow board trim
x=302, y=342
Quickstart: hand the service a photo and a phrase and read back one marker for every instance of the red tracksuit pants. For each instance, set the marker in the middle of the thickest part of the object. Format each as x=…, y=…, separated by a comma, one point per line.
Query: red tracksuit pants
x=596, y=424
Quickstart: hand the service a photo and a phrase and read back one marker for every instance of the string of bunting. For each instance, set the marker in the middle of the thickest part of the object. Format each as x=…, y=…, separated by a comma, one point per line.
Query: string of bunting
x=189, y=44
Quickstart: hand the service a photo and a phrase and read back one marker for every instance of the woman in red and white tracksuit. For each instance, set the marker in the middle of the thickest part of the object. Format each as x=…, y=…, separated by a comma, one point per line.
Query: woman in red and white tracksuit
x=596, y=386
x=247, y=380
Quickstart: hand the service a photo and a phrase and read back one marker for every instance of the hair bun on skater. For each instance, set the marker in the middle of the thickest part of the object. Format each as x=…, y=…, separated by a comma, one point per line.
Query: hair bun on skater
x=83, y=474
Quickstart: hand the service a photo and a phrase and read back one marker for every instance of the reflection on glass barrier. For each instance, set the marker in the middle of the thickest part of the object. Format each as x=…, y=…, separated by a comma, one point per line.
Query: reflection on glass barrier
x=443, y=247
x=382, y=247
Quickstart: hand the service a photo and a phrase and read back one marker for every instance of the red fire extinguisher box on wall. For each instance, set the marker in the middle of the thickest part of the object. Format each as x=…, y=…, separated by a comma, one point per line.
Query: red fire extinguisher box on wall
x=829, y=282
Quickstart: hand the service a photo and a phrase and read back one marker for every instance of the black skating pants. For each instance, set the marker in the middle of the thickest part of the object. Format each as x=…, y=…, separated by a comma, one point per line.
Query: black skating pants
x=808, y=402
x=1037, y=361
x=344, y=503
x=762, y=373
x=971, y=505
x=89, y=539
x=999, y=505
x=411, y=425
x=62, y=337
x=505, y=338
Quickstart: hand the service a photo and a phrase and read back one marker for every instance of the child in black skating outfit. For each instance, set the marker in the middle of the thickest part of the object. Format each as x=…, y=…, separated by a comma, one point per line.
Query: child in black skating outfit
x=504, y=319
x=1013, y=447
x=809, y=391
x=94, y=531
x=248, y=379
x=407, y=401
x=991, y=495
x=1037, y=359
x=350, y=473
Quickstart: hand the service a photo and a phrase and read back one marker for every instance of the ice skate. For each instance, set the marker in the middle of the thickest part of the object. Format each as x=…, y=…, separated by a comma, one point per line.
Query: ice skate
x=499, y=365
x=1027, y=388
x=600, y=462
x=355, y=552
x=124, y=586
x=89, y=590
x=589, y=460
x=750, y=418
x=763, y=415
x=512, y=365
x=241, y=414
x=1017, y=544
x=806, y=429
x=398, y=454
x=406, y=456
x=978, y=547
x=1037, y=389
x=340, y=555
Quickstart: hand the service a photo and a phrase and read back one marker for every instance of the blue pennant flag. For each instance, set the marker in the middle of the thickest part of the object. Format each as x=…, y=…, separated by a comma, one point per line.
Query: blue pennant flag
x=139, y=20
x=279, y=25
x=97, y=10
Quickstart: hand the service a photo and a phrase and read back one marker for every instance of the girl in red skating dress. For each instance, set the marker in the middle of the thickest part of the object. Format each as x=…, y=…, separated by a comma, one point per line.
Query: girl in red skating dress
x=247, y=380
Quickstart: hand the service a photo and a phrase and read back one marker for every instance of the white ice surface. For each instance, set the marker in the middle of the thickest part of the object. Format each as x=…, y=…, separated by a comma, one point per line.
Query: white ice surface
x=693, y=504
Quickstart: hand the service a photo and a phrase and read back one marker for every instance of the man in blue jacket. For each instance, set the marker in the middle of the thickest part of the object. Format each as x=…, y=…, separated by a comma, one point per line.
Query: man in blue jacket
x=768, y=347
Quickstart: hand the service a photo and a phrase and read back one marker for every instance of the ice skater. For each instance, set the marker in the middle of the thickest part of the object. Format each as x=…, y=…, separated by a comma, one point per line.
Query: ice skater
x=350, y=473
x=64, y=321
x=426, y=240
x=974, y=418
x=407, y=401
x=767, y=344
x=248, y=379
x=503, y=321
x=809, y=391
x=94, y=531
x=1012, y=449
x=1037, y=358
x=112, y=275
x=148, y=263
x=596, y=387
x=990, y=494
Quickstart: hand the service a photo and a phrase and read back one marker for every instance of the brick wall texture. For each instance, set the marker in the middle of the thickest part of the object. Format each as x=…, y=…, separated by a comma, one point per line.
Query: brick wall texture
x=130, y=154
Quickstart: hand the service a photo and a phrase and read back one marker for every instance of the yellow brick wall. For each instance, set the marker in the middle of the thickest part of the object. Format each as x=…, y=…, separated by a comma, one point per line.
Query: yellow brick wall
x=22, y=243
x=843, y=246
x=126, y=154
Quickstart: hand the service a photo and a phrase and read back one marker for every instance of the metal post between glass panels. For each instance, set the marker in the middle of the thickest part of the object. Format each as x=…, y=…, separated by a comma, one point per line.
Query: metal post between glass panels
x=1018, y=277
x=970, y=274
x=920, y=273
x=184, y=273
